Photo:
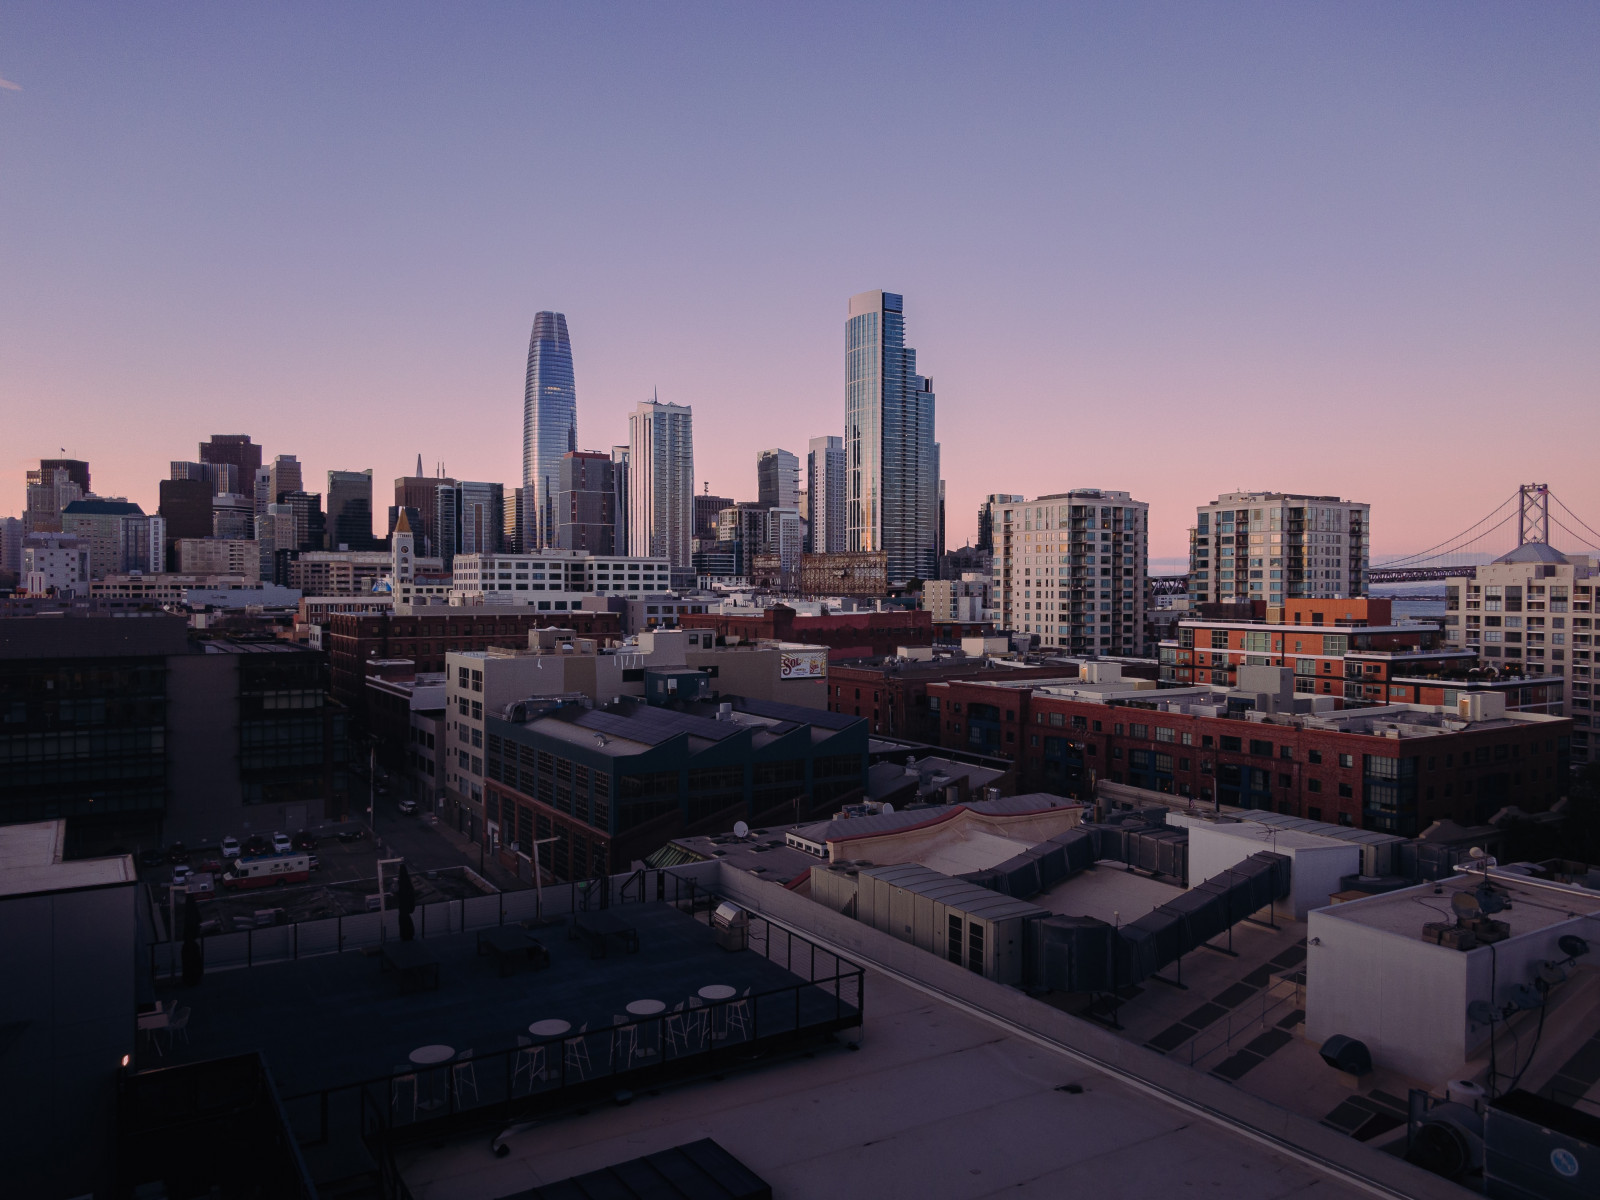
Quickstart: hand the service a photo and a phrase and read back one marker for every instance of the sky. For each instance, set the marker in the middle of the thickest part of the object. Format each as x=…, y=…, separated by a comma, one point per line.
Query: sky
x=1175, y=250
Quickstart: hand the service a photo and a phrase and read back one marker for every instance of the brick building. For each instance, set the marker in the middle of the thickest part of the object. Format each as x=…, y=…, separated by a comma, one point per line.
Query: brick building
x=854, y=634
x=425, y=638
x=1395, y=768
x=892, y=693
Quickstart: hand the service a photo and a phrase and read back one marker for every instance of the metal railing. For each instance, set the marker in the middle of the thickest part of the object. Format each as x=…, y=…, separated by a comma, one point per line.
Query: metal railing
x=578, y=1067
x=1252, y=1018
x=335, y=935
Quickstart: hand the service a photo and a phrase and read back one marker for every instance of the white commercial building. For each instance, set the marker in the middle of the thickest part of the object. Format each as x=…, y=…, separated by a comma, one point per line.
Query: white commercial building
x=55, y=560
x=965, y=599
x=1070, y=569
x=554, y=581
x=1276, y=546
x=219, y=556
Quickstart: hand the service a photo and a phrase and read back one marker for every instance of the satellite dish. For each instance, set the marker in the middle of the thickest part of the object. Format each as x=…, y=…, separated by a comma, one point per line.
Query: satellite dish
x=740, y=829
x=1524, y=996
x=1572, y=945
x=1475, y=852
x=1466, y=905
x=1551, y=973
x=1480, y=1012
x=888, y=808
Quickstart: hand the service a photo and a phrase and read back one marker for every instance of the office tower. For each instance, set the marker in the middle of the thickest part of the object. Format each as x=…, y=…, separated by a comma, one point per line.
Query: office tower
x=232, y=516
x=116, y=532
x=785, y=539
x=228, y=480
x=619, y=478
x=778, y=479
x=889, y=421
x=743, y=528
x=469, y=518
x=77, y=472
x=350, y=510
x=50, y=490
x=1071, y=568
x=549, y=422
x=825, y=508
x=191, y=470
x=238, y=451
x=11, y=535
x=263, y=494
x=986, y=512
x=938, y=506
x=661, y=482
x=186, y=507
x=586, y=503
x=417, y=492
x=513, y=537
x=1273, y=546
x=310, y=525
x=706, y=508
x=286, y=477
x=276, y=540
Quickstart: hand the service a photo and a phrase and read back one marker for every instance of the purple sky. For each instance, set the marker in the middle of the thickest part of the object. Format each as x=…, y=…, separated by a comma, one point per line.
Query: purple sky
x=1174, y=249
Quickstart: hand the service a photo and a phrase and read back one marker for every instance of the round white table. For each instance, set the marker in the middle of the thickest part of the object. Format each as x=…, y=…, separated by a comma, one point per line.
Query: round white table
x=552, y=1027
x=718, y=991
x=427, y=1056
x=647, y=1008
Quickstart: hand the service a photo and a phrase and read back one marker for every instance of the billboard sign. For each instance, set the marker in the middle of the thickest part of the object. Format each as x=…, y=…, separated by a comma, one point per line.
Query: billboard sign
x=802, y=664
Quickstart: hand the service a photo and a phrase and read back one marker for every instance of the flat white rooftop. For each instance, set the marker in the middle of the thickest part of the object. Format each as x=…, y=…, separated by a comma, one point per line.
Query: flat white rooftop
x=938, y=1105
x=30, y=862
x=1533, y=907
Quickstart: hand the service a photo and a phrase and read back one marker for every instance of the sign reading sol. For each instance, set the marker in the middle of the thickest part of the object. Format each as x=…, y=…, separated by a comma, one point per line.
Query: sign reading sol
x=802, y=664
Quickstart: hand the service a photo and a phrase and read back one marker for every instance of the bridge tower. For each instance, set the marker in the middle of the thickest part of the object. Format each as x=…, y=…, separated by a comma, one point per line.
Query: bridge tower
x=1533, y=515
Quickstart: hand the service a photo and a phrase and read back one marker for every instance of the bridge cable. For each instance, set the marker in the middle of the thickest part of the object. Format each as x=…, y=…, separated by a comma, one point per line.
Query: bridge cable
x=1576, y=518
x=1456, y=542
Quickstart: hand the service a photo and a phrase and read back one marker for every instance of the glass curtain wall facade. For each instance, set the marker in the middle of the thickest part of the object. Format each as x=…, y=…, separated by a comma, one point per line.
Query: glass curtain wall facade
x=892, y=470
x=549, y=426
x=825, y=491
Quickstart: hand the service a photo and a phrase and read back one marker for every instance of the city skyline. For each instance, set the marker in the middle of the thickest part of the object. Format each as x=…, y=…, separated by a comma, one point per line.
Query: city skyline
x=1185, y=217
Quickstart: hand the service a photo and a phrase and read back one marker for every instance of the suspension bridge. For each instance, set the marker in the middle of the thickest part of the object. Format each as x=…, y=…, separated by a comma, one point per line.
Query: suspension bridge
x=1533, y=513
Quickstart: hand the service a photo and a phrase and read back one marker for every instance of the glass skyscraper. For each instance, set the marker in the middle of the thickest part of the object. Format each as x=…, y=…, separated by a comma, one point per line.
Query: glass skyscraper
x=891, y=465
x=661, y=483
x=549, y=425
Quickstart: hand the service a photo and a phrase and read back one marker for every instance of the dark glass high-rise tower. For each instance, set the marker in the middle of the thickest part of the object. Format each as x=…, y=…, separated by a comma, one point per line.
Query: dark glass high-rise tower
x=549, y=426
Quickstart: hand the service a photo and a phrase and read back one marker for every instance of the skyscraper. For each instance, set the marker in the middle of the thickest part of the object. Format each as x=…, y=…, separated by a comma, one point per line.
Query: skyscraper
x=619, y=480
x=285, y=477
x=778, y=479
x=549, y=424
x=986, y=512
x=661, y=483
x=350, y=510
x=586, y=504
x=470, y=518
x=892, y=498
x=417, y=492
x=238, y=451
x=825, y=475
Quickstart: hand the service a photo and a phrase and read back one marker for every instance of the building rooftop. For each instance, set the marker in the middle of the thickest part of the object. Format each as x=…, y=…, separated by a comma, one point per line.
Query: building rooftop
x=31, y=862
x=1534, y=906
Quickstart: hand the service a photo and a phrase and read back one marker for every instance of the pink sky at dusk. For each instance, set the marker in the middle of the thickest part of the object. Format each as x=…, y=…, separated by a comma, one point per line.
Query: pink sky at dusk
x=1174, y=250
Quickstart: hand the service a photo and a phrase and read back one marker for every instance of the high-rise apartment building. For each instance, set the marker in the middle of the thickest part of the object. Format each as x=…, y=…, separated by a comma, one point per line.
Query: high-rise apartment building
x=893, y=491
x=661, y=483
x=350, y=510
x=778, y=479
x=586, y=503
x=986, y=518
x=1531, y=612
x=1276, y=546
x=238, y=451
x=825, y=490
x=1071, y=569
x=549, y=422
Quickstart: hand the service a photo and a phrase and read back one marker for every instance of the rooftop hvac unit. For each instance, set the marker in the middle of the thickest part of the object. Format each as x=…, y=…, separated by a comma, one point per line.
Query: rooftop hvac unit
x=1449, y=1142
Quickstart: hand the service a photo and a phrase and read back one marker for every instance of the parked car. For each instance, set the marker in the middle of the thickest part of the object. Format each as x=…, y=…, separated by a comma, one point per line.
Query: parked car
x=305, y=841
x=354, y=834
x=177, y=853
x=408, y=806
x=256, y=846
x=281, y=843
x=212, y=865
x=181, y=874
x=230, y=847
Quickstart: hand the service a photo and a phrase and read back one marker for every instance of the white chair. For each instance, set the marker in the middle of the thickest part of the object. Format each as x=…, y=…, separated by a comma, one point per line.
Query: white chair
x=577, y=1052
x=697, y=1023
x=403, y=1091
x=624, y=1041
x=178, y=1024
x=462, y=1077
x=530, y=1061
x=738, y=1016
x=677, y=1029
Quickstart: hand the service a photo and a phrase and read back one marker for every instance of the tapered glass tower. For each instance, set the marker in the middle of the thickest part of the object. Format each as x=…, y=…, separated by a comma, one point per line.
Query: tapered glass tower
x=890, y=462
x=549, y=425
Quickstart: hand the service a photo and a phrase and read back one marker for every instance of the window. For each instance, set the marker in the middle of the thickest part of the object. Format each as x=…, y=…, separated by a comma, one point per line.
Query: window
x=1261, y=749
x=1313, y=785
x=1314, y=756
x=1347, y=760
x=1345, y=791
x=1231, y=743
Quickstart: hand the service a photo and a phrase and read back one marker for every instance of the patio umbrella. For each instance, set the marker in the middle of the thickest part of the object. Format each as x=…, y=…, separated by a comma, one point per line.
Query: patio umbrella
x=405, y=900
x=194, y=963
